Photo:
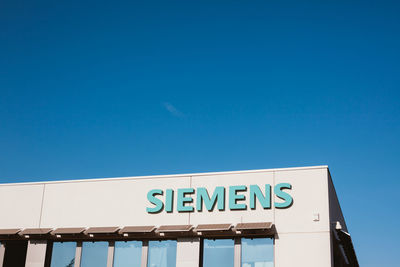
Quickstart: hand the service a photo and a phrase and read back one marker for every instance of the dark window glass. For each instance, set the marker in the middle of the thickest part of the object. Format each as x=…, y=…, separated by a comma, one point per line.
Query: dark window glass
x=15, y=253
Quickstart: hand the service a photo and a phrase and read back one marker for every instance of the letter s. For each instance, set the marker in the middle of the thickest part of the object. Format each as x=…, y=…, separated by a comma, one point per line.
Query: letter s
x=283, y=195
x=159, y=205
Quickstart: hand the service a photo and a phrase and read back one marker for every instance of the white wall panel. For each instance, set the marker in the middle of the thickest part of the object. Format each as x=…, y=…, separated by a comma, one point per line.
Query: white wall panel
x=188, y=252
x=20, y=205
x=303, y=249
x=310, y=200
x=36, y=253
x=108, y=203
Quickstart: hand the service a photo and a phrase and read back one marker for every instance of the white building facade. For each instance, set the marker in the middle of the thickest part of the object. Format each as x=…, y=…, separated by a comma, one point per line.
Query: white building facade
x=262, y=218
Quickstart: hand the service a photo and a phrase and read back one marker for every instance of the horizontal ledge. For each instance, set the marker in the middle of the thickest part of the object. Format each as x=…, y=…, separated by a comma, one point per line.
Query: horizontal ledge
x=213, y=227
x=9, y=231
x=102, y=230
x=137, y=229
x=254, y=226
x=35, y=231
x=174, y=228
x=150, y=231
x=68, y=231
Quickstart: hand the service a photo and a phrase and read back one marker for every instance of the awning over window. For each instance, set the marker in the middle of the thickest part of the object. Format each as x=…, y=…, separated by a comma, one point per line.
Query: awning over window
x=68, y=231
x=35, y=231
x=150, y=231
x=137, y=229
x=254, y=226
x=102, y=230
x=174, y=228
x=213, y=227
x=9, y=231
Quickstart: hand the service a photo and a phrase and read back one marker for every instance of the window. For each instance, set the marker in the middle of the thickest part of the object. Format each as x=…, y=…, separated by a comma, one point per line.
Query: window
x=218, y=252
x=162, y=253
x=257, y=252
x=15, y=253
x=63, y=254
x=223, y=252
x=94, y=254
x=127, y=254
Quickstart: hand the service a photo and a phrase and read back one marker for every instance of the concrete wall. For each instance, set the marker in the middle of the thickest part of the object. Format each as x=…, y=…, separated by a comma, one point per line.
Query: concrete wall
x=303, y=234
x=303, y=230
x=21, y=205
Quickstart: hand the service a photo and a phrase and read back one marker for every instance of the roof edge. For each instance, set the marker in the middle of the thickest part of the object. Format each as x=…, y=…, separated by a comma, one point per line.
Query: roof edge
x=166, y=176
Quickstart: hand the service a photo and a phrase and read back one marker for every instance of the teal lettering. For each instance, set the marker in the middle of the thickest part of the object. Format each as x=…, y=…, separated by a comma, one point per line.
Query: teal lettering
x=234, y=197
x=255, y=193
x=237, y=198
x=182, y=199
x=169, y=200
x=217, y=197
x=153, y=200
x=288, y=200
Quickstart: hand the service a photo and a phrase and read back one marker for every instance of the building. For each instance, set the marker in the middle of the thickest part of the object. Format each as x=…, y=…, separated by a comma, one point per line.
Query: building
x=262, y=218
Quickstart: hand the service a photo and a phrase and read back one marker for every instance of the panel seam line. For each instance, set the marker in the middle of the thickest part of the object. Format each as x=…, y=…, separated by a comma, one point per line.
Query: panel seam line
x=41, y=207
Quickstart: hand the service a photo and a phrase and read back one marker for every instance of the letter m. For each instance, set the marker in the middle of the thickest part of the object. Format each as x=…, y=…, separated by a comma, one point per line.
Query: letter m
x=217, y=197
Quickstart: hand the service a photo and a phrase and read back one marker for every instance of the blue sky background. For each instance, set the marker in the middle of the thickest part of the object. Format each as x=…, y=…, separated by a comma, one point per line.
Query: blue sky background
x=106, y=88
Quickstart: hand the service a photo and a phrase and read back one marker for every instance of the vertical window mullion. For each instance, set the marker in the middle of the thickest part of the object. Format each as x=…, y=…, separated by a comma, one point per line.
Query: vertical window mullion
x=238, y=252
x=110, y=256
x=49, y=254
x=78, y=254
x=145, y=253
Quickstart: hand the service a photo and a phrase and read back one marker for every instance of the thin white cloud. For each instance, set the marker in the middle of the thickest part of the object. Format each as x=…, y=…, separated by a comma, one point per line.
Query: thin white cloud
x=173, y=110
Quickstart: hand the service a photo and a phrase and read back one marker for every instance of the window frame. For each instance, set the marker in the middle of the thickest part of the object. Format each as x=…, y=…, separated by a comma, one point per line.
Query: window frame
x=237, y=248
x=145, y=248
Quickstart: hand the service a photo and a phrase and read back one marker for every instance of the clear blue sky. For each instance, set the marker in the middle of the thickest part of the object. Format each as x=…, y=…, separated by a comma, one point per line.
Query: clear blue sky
x=105, y=89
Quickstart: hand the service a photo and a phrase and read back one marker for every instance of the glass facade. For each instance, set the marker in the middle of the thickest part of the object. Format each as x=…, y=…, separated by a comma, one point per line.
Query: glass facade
x=162, y=253
x=254, y=252
x=218, y=252
x=94, y=254
x=127, y=254
x=257, y=252
x=63, y=254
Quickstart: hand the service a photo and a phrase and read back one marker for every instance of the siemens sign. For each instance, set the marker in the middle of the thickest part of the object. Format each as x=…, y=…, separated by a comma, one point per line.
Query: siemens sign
x=236, y=197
